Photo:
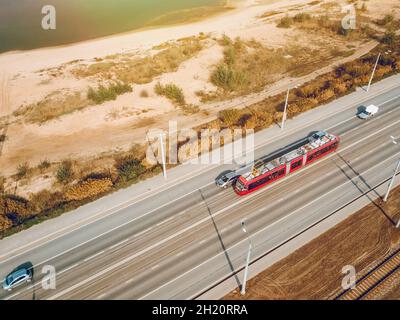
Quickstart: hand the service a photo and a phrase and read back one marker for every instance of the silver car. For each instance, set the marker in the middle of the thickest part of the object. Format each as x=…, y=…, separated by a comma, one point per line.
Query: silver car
x=16, y=278
x=226, y=180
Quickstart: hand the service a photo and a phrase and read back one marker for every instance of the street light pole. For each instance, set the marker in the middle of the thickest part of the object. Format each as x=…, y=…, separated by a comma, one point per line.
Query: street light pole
x=392, y=181
x=164, y=165
x=286, y=106
x=394, y=174
x=373, y=72
x=285, y=109
x=246, y=270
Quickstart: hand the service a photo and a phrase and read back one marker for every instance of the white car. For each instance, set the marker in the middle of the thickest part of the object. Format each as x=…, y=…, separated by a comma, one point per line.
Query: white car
x=368, y=112
x=227, y=180
x=17, y=278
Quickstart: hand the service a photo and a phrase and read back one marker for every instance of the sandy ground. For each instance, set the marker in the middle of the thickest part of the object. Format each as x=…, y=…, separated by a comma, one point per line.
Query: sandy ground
x=315, y=270
x=29, y=77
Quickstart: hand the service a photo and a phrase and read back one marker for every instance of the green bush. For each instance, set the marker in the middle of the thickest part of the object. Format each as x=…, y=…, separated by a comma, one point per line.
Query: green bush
x=109, y=93
x=64, y=171
x=22, y=170
x=45, y=164
x=228, y=78
x=129, y=168
x=172, y=92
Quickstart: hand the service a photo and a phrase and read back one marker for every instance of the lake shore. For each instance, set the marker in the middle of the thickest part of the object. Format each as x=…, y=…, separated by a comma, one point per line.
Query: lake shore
x=241, y=12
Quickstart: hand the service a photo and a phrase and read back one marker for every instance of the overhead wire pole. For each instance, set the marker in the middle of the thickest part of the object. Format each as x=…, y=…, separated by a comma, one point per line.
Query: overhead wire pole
x=373, y=72
x=285, y=109
x=286, y=106
x=246, y=269
x=394, y=175
x=392, y=181
x=164, y=160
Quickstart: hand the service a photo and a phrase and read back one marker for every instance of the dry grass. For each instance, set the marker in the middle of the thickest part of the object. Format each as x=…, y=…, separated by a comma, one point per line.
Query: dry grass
x=247, y=66
x=132, y=69
x=53, y=106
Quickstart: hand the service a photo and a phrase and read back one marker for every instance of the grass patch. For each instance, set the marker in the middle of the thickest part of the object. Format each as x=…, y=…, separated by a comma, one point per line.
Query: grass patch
x=54, y=106
x=131, y=69
x=172, y=92
x=102, y=93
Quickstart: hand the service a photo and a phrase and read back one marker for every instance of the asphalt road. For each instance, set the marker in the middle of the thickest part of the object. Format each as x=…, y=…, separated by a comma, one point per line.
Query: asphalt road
x=185, y=240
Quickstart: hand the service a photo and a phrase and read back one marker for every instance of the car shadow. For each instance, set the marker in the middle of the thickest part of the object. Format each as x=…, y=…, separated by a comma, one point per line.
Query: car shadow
x=361, y=109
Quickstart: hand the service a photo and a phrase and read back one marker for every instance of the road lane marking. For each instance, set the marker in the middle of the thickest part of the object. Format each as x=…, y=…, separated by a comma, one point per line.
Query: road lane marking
x=142, y=232
x=94, y=256
x=102, y=296
x=68, y=269
x=202, y=171
x=119, y=244
x=256, y=233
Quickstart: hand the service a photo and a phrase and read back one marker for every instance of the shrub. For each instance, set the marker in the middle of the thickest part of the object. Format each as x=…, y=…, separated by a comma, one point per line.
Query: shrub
x=22, y=170
x=64, y=171
x=45, y=164
x=326, y=95
x=385, y=20
x=230, y=55
x=389, y=38
x=109, y=93
x=229, y=117
x=3, y=137
x=301, y=17
x=228, y=78
x=2, y=183
x=172, y=92
x=46, y=200
x=285, y=22
x=5, y=223
x=129, y=168
x=88, y=189
x=14, y=208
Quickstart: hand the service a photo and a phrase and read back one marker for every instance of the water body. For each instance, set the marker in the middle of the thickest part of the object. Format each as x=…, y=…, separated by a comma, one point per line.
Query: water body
x=77, y=20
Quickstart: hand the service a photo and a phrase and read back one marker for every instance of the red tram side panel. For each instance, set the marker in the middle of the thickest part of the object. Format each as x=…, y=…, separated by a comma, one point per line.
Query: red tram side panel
x=270, y=169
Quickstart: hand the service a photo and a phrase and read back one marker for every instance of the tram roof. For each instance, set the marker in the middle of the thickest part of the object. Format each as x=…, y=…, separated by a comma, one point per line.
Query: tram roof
x=288, y=154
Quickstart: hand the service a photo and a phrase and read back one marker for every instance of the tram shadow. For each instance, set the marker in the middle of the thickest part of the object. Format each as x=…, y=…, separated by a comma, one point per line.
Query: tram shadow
x=222, y=243
x=377, y=202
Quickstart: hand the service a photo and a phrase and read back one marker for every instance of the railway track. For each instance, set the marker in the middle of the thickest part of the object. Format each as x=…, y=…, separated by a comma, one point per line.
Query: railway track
x=374, y=280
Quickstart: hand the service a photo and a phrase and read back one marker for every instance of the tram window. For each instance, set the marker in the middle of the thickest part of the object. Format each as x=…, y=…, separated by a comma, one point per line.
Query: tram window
x=259, y=182
x=297, y=164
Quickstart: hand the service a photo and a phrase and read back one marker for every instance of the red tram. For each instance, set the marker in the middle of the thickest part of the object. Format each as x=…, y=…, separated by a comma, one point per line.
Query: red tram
x=282, y=163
